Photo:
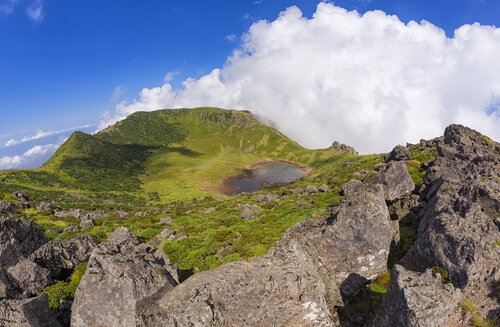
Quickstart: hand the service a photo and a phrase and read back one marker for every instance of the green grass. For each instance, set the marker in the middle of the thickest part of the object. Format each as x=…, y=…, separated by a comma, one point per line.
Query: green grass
x=65, y=290
x=495, y=244
x=469, y=306
x=445, y=276
x=380, y=284
x=367, y=300
x=420, y=154
x=476, y=320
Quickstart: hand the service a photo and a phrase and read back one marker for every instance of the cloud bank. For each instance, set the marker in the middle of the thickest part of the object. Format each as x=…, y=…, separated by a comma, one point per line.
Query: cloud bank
x=369, y=80
x=40, y=134
x=28, y=157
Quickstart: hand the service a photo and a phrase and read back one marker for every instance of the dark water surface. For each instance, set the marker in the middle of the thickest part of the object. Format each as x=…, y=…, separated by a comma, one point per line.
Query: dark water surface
x=269, y=172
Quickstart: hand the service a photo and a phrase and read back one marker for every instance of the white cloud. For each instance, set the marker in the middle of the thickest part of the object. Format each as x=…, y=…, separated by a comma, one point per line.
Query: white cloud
x=35, y=11
x=27, y=157
x=10, y=162
x=7, y=6
x=10, y=142
x=170, y=76
x=40, y=134
x=231, y=37
x=368, y=80
x=40, y=149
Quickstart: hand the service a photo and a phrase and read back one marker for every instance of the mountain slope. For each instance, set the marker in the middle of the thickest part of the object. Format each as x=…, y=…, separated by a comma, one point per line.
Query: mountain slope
x=177, y=153
x=90, y=163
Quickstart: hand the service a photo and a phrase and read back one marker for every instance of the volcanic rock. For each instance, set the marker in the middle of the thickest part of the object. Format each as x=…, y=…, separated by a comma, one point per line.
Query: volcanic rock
x=120, y=272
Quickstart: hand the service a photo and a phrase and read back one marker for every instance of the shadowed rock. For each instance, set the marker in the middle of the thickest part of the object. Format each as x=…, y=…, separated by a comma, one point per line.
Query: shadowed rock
x=399, y=153
x=19, y=276
x=395, y=179
x=63, y=256
x=417, y=300
x=32, y=312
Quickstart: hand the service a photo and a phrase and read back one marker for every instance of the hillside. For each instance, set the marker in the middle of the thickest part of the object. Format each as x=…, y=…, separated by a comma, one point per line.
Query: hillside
x=177, y=154
x=175, y=161
x=333, y=248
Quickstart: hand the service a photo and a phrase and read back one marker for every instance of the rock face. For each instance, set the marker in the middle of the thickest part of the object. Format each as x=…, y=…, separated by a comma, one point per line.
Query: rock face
x=248, y=211
x=61, y=257
x=8, y=208
x=298, y=283
x=343, y=148
x=32, y=312
x=458, y=223
x=266, y=198
x=19, y=276
x=395, y=179
x=120, y=273
x=417, y=300
x=399, y=153
x=44, y=206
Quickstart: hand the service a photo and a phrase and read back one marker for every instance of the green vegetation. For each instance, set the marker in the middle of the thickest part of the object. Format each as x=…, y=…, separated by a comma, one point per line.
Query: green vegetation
x=86, y=162
x=380, y=284
x=495, y=244
x=468, y=306
x=146, y=129
x=445, y=276
x=65, y=290
x=368, y=299
x=407, y=236
x=416, y=167
x=476, y=320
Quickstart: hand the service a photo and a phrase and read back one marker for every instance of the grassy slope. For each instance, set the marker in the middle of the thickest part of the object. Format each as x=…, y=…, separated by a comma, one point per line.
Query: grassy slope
x=207, y=145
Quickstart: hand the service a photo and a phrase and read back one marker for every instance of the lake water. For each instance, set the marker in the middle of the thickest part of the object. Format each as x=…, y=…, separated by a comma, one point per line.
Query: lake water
x=268, y=172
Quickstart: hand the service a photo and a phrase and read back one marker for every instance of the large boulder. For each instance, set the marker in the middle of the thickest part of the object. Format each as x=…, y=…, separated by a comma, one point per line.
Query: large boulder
x=21, y=235
x=274, y=290
x=395, y=179
x=459, y=222
x=298, y=283
x=417, y=300
x=26, y=278
x=8, y=208
x=19, y=276
x=61, y=257
x=399, y=153
x=120, y=273
x=33, y=312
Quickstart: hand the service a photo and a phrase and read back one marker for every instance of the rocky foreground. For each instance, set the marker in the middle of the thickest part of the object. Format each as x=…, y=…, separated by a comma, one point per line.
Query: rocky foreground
x=449, y=277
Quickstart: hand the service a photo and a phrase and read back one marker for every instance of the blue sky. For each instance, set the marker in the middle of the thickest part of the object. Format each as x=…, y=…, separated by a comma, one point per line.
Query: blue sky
x=64, y=63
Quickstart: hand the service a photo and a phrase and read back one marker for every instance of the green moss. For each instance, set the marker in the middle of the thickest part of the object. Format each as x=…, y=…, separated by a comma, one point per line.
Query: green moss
x=468, y=306
x=10, y=198
x=449, y=190
x=380, y=284
x=495, y=244
x=420, y=154
x=65, y=290
x=445, y=277
x=478, y=321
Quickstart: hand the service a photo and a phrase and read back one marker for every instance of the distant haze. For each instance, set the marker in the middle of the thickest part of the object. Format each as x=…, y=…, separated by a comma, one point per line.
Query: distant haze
x=369, y=81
